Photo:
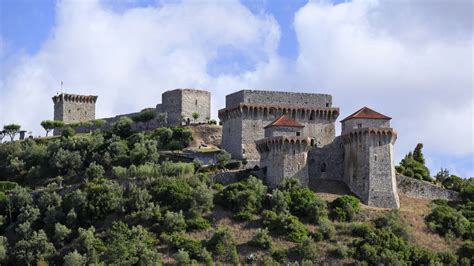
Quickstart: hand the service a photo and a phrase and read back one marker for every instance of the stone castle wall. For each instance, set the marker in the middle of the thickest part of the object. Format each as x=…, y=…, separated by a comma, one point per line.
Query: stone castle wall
x=278, y=98
x=327, y=162
x=171, y=103
x=424, y=190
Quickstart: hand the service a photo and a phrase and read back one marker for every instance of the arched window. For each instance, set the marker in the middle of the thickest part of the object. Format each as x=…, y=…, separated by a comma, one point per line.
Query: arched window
x=323, y=167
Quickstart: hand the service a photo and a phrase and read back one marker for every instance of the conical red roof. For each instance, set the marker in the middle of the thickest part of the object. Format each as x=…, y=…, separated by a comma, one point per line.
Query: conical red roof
x=366, y=113
x=284, y=121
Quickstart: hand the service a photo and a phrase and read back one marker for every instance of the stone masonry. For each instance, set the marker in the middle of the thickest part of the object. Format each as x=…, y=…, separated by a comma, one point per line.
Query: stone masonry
x=247, y=112
x=178, y=104
x=362, y=157
x=73, y=108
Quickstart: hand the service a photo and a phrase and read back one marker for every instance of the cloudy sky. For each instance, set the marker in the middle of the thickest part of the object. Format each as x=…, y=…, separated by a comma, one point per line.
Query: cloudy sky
x=411, y=60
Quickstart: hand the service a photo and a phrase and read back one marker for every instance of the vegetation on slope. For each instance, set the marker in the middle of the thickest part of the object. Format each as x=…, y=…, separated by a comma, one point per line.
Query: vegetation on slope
x=108, y=197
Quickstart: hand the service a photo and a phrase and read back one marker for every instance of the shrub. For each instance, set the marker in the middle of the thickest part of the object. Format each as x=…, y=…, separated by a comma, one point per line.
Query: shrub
x=467, y=250
x=308, y=249
x=119, y=172
x=262, y=239
x=327, y=228
x=68, y=132
x=175, y=194
x=223, y=158
x=244, y=198
x=61, y=232
x=95, y=171
x=392, y=221
x=174, y=222
x=34, y=249
x=361, y=230
x=130, y=246
x=75, y=258
x=198, y=223
x=280, y=201
x=285, y=224
x=345, y=208
x=301, y=201
x=103, y=197
x=222, y=244
x=123, y=127
x=341, y=251
x=202, y=199
x=182, y=258
x=180, y=241
x=280, y=255
x=180, y=169
x=445, y=221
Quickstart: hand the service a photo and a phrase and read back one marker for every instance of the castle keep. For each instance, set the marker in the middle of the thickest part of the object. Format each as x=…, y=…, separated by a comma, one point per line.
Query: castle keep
x=247, y=112
x=293, y=135
x=73, y=108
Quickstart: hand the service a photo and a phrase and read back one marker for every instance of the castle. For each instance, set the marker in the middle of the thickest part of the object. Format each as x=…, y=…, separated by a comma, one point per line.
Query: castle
x=179, y=106
x=288, y=135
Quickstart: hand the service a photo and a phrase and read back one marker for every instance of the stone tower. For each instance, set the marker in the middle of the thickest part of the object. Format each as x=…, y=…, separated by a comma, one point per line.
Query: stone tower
x=369, y=170
x=284, y=151
x=73, y=108
x=180, y=104
x=247, y=112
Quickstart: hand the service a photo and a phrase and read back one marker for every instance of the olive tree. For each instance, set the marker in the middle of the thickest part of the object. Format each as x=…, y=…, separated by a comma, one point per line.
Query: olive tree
x=49, y=125
x=11, y=130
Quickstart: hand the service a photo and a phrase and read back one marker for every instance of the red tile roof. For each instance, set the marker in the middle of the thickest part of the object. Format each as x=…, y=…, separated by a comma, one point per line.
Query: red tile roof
x=366, y=113
x=284, y=121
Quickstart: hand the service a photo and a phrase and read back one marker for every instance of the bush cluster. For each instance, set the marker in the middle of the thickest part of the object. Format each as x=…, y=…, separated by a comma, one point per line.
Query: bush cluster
x=244, y=198
x=345, y=208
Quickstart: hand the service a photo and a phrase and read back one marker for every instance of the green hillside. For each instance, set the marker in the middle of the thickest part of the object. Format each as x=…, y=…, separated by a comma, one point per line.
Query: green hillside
x=110, y=198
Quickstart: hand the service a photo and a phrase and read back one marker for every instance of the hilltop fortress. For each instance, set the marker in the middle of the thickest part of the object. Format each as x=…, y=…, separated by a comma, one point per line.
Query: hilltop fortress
x=284, y=133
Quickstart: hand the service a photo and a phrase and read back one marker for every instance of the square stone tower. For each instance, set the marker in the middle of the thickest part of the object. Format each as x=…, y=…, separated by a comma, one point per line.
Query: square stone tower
x=180, y=104
x=74, y=108
x=369, y=170
x=247, y=112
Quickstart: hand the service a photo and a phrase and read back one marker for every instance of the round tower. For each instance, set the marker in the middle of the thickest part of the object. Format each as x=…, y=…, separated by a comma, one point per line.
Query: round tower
x=284, y=151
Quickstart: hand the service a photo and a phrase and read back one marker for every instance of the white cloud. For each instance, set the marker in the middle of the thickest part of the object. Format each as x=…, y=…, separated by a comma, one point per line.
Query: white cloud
x=130, y=58
x=411, y=60
x=399, y=58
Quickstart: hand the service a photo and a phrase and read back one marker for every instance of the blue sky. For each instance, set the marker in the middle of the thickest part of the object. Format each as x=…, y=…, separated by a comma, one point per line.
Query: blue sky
x=28, y=23
x=411, y=60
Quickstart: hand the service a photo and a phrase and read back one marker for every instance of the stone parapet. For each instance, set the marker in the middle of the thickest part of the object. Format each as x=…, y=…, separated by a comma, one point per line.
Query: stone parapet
x=294, y=111
x=75, y=98
x=358, y=133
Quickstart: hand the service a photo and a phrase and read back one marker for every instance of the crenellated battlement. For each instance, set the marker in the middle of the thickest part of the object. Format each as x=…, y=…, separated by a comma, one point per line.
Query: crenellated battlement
x=247, y=110
x=358, y=135
x=66, y=97
x=268, y=143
